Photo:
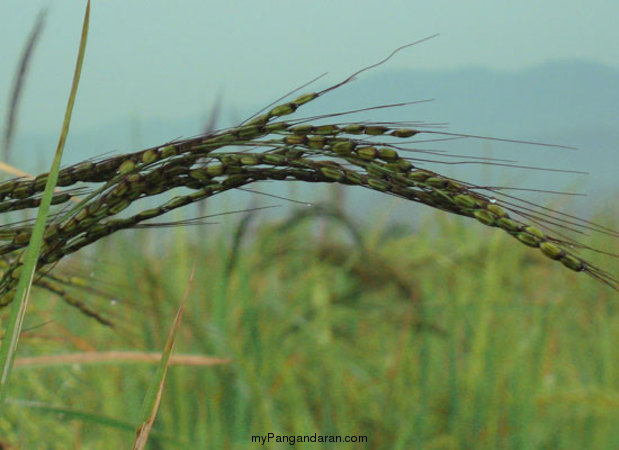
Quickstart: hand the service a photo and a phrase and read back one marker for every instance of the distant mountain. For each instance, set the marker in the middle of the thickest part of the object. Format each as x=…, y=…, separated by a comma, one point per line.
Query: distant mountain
x=573, y=103
x=556, y=95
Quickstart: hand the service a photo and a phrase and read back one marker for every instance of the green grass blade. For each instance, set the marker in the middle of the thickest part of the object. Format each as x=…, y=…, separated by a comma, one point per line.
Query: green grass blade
x=91, y=418
x=155, y=390
x=31, y=256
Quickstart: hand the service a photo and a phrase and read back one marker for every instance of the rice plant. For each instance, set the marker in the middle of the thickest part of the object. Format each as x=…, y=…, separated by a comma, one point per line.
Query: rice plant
x=97, y=198
x=273, y=145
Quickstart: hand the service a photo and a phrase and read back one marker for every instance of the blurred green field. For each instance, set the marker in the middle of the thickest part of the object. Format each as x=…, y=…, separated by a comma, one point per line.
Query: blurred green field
x=448, y=335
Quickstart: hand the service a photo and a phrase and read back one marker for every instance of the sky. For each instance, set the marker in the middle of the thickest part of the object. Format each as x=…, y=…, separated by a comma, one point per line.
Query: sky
x=163, y=59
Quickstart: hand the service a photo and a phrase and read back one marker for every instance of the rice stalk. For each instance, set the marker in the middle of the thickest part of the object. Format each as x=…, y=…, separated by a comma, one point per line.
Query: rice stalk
x=272, y=146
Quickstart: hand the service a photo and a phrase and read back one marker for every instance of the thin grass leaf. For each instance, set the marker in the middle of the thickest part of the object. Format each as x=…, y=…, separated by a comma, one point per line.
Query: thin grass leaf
x=88, y=417
x=31, y=255
x=11, y=118
x=155, y=391
x=4, y=167
x=117, y=357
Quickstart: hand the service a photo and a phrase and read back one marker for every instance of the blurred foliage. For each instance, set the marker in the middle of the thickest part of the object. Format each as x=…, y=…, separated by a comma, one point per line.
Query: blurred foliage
x=446, y=336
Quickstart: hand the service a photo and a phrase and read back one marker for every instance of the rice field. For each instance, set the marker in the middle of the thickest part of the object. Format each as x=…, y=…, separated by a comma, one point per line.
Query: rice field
x=387, y=337
x=462, y=332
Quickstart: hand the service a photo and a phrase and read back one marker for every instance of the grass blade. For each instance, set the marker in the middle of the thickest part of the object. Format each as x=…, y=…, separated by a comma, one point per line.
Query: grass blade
x=31, y=255
x=18, y=85
x=155, y=391
x=113, y=423
x=117, y=357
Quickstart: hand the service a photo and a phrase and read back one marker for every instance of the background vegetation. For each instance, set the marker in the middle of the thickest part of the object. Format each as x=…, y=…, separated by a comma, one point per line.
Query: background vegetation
x=446, y=336
x=433, y=336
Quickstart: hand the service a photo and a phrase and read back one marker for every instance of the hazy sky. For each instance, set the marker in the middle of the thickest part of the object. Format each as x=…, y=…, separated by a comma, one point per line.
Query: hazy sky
x=160, y=58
